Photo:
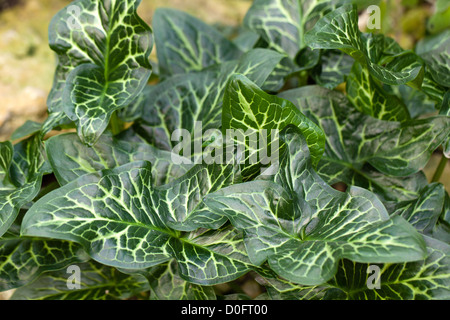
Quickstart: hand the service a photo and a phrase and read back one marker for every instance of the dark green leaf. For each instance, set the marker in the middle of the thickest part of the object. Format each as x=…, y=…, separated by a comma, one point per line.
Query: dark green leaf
x=26, y=168
x=97, y=282
x=23, y=259
x=103, y=51
x=117, y=217
x=426, y=279
x=187, y=44
x=303, y=227
x=166, y=284
x=339, y=30
x=70, y=158
x=353, y=138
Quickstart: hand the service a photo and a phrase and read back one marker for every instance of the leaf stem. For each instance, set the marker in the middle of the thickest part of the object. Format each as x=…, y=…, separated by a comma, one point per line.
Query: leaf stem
x=440, y=168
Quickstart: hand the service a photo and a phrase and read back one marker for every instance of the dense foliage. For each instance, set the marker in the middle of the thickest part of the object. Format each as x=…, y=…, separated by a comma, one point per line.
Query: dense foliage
x=342, y=107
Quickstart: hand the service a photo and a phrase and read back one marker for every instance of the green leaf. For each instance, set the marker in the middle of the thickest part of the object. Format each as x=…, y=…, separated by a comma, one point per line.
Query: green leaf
x=353, y=138
x=27, y=129
x=251, y=110
x=103, y=51
x=182, y=101
x=445, y=110
x=435, y=51
x=6, y=155
x=23, y=259
x=339, y=30
x=187, y=44
x=166, y=284
x=426, y=279
x=368, y=97
x=26, y=166
x=120, y=221
x=97, y=282
x=333, y=69
x=282, y=24
x=70, y=158
x=423, y=212
x=303, y=227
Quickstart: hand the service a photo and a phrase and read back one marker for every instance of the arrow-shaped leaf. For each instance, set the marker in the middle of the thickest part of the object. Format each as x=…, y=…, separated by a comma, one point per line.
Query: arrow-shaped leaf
x=187, y=44
x=339, y=30
x=303, y=227
x=252, y=111
x=119, y=220
x=103, y=49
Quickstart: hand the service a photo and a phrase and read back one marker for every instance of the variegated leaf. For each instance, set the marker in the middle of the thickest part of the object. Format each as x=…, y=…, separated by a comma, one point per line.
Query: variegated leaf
x=187, y=44
x=339, y=30
x=303, y=227
x=249, y=113
x=116, y=215
x=70, y=158
x=23, y=259
x=97, y=282
x=103, y=48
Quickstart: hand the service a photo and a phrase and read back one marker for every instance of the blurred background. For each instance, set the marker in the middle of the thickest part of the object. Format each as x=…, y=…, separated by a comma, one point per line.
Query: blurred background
x=27, y=63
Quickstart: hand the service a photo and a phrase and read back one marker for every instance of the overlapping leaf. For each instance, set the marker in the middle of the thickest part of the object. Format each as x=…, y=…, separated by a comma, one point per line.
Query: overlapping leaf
x=117, y=217
x=188, y=101
x=103, y=48
x=21, y=171
x=339, y=30
x=426, y=279
x=166, y=284
x=252, y=112
x=70, y=158
x=435, y=51
x=283, y=24
x=368, y=97
x=97, y=282
x=23, y=259
x=355, y=140
x=187, y=44
x=333, y=69
x=424, y=212
x=303, y=227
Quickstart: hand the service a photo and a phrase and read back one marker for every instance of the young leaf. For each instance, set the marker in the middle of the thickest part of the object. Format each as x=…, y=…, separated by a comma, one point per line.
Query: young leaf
x=187, y=44
x=303, y=227
x=97, y=282
x=120, y=222
x=103, y=49
x=248, y=108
